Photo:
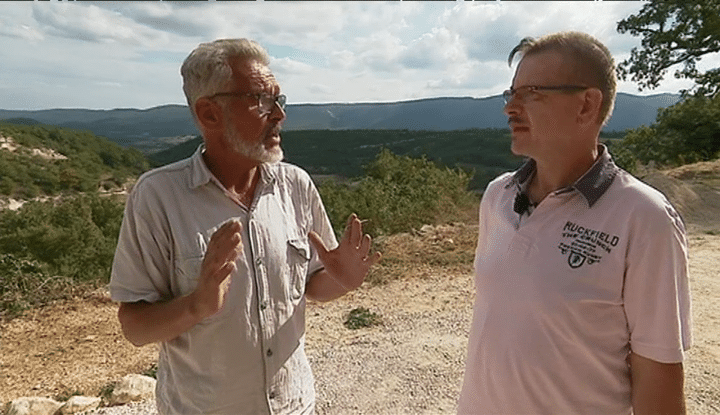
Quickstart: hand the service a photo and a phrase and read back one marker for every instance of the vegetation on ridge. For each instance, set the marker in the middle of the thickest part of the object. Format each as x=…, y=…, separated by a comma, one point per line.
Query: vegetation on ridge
x=46, y=161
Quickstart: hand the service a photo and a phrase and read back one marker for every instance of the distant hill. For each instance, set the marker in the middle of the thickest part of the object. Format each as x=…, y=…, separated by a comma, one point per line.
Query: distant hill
x=445, y=114
x=128, y=127
x=156, y=129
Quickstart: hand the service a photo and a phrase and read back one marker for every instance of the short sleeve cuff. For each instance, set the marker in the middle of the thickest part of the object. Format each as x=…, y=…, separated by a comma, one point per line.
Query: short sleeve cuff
x=658, y=354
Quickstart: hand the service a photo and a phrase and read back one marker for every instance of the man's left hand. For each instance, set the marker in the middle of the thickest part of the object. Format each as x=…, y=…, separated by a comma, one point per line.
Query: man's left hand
x=349, y=263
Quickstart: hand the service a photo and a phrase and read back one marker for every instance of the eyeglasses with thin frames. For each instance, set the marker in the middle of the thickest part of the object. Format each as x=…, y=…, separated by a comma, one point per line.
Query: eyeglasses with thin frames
x=266, y=102
x=523, y=92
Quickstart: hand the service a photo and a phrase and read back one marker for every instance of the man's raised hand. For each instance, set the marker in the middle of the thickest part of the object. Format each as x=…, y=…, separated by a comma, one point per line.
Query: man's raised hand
x=349, y=263
x=223, y=249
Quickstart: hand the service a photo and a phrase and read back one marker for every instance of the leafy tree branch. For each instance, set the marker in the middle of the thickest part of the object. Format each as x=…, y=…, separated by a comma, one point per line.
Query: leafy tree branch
x=673, y=32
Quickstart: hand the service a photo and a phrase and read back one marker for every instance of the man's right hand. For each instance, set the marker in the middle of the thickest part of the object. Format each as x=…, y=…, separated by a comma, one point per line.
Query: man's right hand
x=144, y=323
x=214, y=282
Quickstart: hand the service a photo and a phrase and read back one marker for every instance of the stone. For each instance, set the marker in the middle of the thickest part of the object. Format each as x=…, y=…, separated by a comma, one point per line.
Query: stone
x=133, y=388
x=77, y=404
x=33, y=405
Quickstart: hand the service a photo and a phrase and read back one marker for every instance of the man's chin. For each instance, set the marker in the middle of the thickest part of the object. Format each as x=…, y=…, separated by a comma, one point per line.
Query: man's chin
x=273, y=155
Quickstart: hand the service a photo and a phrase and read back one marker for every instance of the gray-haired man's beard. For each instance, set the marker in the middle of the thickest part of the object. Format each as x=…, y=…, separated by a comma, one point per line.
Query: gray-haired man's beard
x=254, y=151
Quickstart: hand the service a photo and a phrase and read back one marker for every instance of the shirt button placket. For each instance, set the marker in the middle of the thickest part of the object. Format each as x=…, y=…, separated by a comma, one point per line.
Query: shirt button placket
x=258, y=271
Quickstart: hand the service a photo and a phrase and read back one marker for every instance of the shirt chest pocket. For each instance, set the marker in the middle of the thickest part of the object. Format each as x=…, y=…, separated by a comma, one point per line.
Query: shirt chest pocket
x=187, y=274
x=188, y=264
x=298, y=259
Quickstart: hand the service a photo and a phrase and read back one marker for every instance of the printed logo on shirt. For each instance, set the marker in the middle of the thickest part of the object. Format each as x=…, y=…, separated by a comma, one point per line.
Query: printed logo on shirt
x=584, y=245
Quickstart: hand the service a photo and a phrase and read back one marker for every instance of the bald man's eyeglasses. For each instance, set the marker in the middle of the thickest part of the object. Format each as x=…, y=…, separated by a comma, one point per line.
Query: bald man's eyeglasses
x=266, y=102
x=523, y=92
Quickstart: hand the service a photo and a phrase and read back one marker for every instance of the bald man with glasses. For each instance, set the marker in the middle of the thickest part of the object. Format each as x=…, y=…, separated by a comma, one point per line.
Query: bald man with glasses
x=582, y=303
x=218, y=252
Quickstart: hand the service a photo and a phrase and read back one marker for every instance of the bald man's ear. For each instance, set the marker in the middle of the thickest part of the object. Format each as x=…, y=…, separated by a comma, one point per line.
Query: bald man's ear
x=590, y=110
x=209, y=114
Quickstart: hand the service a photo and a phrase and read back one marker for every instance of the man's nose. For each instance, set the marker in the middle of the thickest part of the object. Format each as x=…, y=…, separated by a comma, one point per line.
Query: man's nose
x=512, y=106
x=278, y=113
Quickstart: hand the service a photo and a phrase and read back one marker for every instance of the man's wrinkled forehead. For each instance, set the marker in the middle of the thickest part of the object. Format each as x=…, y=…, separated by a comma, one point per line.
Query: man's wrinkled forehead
x=254, y=74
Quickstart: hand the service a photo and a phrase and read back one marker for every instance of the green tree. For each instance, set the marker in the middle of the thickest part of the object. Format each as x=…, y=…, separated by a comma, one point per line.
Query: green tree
x=685, y=133
x=673, y=32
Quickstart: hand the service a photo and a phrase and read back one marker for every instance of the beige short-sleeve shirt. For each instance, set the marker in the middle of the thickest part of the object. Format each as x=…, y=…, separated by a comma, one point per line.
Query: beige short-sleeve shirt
x=248, y=358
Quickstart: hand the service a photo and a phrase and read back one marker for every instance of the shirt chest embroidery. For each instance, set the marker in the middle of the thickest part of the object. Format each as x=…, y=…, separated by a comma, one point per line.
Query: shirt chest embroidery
x=583, y=245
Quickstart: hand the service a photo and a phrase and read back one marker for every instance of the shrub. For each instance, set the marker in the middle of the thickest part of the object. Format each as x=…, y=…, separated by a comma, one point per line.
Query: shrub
x=398, y=194
x=362, y=317
x=27, y=283
x=53, y=251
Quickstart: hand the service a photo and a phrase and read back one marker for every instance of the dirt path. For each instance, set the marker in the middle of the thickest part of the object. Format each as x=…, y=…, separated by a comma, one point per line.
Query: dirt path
x=410, y=364
x=703, y=365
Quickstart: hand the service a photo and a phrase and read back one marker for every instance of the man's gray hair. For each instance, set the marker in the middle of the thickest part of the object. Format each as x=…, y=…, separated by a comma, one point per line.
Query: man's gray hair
x=207, y=71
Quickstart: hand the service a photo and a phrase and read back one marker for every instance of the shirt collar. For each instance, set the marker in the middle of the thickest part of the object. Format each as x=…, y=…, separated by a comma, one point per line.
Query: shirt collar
x=200, y=174
x=592, y=185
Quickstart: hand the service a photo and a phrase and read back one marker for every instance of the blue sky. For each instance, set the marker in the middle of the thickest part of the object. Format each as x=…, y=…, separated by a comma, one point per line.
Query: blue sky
x=106, y=54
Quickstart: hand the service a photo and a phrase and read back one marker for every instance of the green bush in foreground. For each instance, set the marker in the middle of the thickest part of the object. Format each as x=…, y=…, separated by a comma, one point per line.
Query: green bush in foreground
x=398, y=194
x=52, y=251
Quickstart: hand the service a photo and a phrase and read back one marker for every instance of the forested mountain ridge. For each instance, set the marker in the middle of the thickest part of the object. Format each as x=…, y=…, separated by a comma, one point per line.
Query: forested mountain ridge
x=159, y=128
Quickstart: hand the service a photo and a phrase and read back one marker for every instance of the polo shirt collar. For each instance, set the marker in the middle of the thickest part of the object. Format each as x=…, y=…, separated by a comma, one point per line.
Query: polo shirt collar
x=202, y=175
x=592, y=185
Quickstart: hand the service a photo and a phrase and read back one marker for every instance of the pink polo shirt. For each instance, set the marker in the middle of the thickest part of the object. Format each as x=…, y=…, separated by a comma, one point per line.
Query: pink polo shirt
x=566, y=292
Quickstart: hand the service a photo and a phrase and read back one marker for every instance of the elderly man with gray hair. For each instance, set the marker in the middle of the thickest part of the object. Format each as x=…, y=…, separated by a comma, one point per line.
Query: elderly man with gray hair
x=218, y=252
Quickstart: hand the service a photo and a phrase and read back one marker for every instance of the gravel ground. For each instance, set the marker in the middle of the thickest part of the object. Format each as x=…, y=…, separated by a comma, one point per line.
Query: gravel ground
x=411, y=363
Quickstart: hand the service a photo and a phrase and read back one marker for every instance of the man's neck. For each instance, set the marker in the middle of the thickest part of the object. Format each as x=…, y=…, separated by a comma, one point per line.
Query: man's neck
x=239, y=175
x=559, y=173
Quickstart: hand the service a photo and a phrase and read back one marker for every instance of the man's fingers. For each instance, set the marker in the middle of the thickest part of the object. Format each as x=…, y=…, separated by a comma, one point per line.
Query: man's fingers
x=365, y=245
x=369, y=260
x=373, y=259
x=347, y=235
x=227, y=231
x=227, y=228
x=223, y=272
x=353, y=231
x=318, y=244
x=226, y=242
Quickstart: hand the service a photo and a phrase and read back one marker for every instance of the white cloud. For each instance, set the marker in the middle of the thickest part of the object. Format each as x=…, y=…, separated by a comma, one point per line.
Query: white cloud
x=343, y=60
x=127, y=54
x=93, y=24
x=439, y=49
x=19, y=31
x=287, y=66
